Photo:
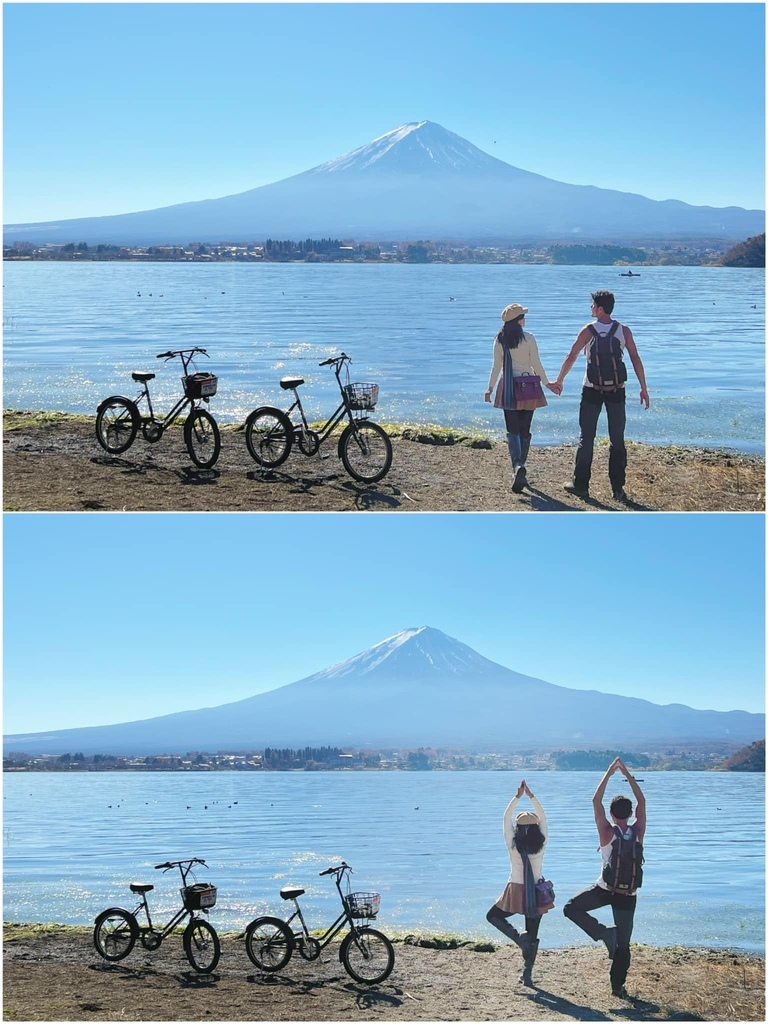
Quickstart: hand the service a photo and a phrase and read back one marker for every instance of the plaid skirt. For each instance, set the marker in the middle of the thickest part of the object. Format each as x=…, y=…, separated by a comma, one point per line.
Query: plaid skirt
x=512, y=900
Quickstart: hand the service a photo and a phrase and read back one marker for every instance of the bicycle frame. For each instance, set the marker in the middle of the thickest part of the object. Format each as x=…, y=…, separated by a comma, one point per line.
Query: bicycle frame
x=166, y=929
x=187, y=357
x=179, y=916
x=341, y=411
x=333, y=930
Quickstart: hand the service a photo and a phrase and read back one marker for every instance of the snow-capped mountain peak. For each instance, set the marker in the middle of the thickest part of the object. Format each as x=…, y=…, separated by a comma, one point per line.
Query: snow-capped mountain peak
x=414, y=651
x=415, y=147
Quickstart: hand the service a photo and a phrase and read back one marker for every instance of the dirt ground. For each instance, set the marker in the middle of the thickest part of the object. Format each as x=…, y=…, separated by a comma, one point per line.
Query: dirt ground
x=52, y=462
x=54, y=974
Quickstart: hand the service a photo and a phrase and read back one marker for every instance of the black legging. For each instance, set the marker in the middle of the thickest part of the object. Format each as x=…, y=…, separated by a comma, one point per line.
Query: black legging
x=500, y=920
x=518, y=422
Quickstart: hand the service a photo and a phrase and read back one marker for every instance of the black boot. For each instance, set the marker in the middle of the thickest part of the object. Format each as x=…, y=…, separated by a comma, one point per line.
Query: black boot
x=530, y=948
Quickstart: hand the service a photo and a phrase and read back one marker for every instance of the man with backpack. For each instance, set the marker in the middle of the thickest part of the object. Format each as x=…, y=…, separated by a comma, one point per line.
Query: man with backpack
x=603, y=343
x=621, y=848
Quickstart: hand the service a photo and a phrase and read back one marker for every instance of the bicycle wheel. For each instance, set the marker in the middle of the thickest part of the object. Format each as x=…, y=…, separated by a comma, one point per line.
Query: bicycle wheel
x=201, y=945
x=202, y=437
x=269, y=436
x=114, y=934
x=366, y=451
x=367, y=955
x=269, y=943
x=117, y=422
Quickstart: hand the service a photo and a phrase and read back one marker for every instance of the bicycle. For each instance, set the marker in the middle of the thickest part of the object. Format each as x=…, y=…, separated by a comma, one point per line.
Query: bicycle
x=367, y=955
x=116, y=929
x=364, y=447
x=118, y=418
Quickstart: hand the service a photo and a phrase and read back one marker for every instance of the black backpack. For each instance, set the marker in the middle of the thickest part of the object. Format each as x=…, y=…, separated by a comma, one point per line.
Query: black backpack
x=624, y=871
x=606, y=369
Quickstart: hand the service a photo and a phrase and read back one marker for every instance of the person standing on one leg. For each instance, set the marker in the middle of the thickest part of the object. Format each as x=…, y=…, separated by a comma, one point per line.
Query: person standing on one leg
x=526, y=838
x=516, y=354
x=622, y=854
x=603, y=343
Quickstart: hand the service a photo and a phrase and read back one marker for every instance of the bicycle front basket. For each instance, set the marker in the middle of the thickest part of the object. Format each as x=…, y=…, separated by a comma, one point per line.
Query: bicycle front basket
x=200, y=896
x=362, y=396
x=200, y=385
x=363, y=904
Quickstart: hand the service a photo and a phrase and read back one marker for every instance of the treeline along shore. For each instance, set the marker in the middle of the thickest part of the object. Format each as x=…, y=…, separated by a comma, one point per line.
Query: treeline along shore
x=691, y=253
x=701, y=757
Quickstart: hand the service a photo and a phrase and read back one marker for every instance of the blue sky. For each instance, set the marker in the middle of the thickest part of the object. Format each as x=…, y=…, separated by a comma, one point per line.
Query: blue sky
x=119, y=617
x=112, y=108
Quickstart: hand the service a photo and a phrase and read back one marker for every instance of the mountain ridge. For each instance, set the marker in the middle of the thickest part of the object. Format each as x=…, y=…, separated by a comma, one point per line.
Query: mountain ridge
x=419, y=180
x=418, y=687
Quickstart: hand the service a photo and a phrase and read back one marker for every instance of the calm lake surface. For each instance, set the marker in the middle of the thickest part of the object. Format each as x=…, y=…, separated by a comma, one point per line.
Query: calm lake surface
x=430, y=842
x=74, y=332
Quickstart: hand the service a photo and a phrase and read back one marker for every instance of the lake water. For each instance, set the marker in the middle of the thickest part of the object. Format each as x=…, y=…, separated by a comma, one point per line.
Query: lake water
x=430, y=842
x=75, y=331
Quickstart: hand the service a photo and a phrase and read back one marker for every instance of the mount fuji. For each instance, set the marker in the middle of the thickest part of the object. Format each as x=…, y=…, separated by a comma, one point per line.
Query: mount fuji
x=417, y=181
x=416, y=688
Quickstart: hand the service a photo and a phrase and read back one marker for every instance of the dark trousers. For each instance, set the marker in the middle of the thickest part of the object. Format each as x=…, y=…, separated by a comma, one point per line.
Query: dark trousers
x=592, y=401
x=623, y=907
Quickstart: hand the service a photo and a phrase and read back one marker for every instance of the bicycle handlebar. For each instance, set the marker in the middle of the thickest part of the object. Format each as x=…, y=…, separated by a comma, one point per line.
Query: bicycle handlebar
x=180, y=352
x=175, y=863
x=332, y=871
x=338, y=359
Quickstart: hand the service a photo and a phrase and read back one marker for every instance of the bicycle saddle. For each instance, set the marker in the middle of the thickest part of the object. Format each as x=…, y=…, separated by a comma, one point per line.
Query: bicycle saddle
x=288, y=383
x=290, y=892
x=142, y=377
x=136, y=887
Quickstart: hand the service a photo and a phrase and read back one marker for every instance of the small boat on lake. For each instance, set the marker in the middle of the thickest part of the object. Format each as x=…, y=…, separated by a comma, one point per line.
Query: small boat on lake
x=629, y=274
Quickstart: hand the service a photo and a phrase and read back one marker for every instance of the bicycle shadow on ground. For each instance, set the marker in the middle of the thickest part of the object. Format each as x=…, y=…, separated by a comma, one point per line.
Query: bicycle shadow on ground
x=364, y=496
x=196, y=477
x=125, y=973
x=372, y=999
x=188, y=979
x=293, y=986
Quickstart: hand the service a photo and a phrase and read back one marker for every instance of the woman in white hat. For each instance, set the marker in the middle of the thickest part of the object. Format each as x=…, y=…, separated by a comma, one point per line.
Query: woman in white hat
x=526, y=838
x=516, y=353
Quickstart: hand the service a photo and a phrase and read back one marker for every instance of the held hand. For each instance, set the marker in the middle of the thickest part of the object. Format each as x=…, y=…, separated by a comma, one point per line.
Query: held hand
x=644, y=399
x=555, y=388
x=520, y=789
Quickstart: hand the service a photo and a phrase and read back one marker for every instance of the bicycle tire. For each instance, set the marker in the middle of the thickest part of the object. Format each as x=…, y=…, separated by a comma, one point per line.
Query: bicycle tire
x=117, y=423
x=269, y=943
x=115, y=933
x=367, y=955
x=202, y=438
x=201, y=945
x=269, y=436
x=366, y=451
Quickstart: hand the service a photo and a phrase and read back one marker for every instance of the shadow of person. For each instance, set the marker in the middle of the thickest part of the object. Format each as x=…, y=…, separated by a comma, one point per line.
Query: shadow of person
x=543, y=502
x=565, y=1006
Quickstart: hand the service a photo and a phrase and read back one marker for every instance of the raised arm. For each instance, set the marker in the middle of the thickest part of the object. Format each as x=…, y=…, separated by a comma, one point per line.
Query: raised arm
x=509, y=816
x=639, y=800
x=539, y=812
x=604, y=827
